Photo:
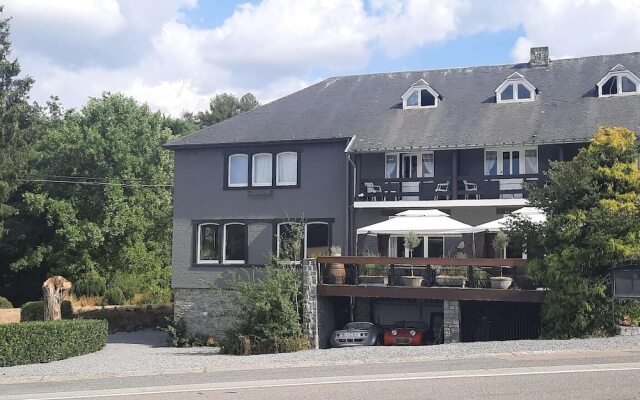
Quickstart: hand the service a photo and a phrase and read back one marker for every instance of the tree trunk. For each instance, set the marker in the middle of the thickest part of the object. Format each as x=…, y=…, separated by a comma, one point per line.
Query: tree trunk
x=54, y=291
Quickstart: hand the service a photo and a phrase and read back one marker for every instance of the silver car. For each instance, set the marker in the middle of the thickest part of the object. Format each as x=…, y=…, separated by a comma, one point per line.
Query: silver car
x=357, y=334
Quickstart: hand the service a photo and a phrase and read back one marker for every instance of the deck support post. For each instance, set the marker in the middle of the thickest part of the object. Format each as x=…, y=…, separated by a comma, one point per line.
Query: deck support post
x=310, y=302
x=451, y=321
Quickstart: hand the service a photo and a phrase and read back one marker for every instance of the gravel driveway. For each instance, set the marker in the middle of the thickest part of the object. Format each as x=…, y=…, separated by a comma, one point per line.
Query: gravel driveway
x=143, y=353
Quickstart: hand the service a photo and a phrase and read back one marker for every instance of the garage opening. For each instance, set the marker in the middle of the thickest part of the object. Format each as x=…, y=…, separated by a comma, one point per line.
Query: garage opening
x=483, y=321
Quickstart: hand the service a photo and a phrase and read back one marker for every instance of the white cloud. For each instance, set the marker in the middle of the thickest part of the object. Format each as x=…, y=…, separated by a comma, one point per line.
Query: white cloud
x=146, y=48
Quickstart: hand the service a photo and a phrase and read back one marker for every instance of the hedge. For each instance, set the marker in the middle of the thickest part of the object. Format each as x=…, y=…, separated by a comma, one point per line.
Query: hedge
x=5, y=303
x=34, y=311
x=46, y=341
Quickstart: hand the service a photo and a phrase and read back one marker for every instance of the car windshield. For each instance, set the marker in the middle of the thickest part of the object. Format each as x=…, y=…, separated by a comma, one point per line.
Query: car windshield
x=358, y=325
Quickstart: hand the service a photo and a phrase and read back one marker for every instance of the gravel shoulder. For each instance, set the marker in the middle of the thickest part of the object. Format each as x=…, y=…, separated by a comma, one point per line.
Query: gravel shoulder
x=143, y=353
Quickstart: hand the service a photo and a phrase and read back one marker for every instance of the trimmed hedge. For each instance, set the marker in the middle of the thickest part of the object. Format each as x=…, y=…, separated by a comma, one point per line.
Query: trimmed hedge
x=5, y=303
x=46, y=341
x=34, y=311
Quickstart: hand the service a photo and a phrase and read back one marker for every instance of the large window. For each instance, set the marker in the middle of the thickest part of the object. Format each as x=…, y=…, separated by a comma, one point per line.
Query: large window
x=287, y=169
x=235, y=241
x=435, y=247
x=262, y=169
x=316, y=239
x=208, y=251
x=511, y=161
x=618, y=82
x=428, y=165
x=238, y=170
x=409, y=165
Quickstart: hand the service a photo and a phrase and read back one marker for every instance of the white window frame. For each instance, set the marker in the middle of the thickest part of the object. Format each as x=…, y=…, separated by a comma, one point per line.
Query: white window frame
x=278, y=181
x=246, y=156
x=253, y=170
x=514, y=80
x=398, y=158
x=417, y=87
x=499, y=159
x=619, y=74
x=306, y=226
x=198, y=244
x=224, y=244
x=425, y=240
x=278, y=239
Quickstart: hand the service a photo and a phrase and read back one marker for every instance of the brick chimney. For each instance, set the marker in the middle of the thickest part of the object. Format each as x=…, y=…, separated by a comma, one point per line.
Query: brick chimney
x=539, y=57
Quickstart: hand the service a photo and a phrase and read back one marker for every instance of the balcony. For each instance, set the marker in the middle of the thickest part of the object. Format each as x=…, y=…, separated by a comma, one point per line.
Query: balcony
x=439, y=278
x=441, y=188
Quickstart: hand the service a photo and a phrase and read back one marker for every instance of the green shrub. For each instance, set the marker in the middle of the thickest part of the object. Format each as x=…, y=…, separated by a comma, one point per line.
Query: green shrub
x=45, y=341
x=114, y=296
x=5, y=303
x=34, y=311
x=177, y=335
x=90, y=285
x=129, y=284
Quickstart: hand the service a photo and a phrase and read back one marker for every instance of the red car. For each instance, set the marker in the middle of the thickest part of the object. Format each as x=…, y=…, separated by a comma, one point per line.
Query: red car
x=405, y=333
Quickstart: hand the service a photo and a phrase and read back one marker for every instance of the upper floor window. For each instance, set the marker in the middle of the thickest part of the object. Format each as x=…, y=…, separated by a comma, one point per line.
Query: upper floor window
x=208, y=250
x=262, y=169
x=515, y=89
x=409, y=165
x=420, y=95
x=235, y=243
x=511, y=161
x=618, y=82
x=287, y=169
x=238, y=170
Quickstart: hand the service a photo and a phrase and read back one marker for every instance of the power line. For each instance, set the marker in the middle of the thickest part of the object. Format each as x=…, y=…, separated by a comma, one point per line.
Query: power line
x=92, y=183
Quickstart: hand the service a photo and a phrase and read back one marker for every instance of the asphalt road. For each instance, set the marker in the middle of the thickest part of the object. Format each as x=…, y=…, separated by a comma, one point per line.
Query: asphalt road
x=577, y=375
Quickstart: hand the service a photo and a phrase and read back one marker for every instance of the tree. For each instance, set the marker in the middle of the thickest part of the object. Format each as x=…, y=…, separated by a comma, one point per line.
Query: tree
x=16, y=124
x=593, y=209
x=104, y=193
x=224, y=106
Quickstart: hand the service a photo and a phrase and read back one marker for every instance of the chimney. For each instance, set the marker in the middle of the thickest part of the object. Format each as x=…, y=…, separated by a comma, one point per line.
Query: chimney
x=539, y=57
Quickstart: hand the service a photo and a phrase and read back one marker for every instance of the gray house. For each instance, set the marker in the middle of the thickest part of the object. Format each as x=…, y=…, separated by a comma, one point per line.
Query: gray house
x=351, y=151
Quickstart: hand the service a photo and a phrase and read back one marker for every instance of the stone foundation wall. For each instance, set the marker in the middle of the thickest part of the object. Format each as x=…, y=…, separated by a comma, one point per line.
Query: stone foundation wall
x=206, y=312
x=628, y=330
x=451, y=321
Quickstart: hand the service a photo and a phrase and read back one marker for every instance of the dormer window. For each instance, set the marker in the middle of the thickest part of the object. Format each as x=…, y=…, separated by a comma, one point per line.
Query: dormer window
x=420, y=95
x=618, y=82
x=515, y=89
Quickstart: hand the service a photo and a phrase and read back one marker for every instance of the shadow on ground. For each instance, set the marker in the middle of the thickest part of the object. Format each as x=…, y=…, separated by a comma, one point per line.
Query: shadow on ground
x=149, y=337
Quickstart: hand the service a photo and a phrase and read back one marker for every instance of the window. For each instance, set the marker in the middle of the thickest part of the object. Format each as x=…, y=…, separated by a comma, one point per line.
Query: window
x=428, y=165
x=262, y=167
x=316, y=239
x=618, y=82
x=435, y=247
x=235, y=240
x=420, y=95
x=515, y=89
x=289, y=241
x=287, y=169
x=238, y=170
x=207, y=248
x=511, y=161
x=391, y=166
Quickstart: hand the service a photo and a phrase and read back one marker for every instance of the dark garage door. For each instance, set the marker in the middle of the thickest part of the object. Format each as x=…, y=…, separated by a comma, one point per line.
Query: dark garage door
x=483, y=321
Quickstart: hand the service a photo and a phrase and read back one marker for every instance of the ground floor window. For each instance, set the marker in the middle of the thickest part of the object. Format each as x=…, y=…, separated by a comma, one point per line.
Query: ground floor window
x=316, y=239
x=235, y=242
x=221, y=243
x=435, y=247
x=297, y=240
x=208, y=244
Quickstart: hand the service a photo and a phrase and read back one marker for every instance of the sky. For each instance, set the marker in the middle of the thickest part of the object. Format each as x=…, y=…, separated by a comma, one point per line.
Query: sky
x=177, y=54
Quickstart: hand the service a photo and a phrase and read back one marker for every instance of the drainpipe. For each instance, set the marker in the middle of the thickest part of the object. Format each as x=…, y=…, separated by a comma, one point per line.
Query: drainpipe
x=349, y=211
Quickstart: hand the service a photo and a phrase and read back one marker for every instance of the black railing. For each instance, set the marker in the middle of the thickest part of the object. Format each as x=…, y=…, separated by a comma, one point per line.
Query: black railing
x=442, y=188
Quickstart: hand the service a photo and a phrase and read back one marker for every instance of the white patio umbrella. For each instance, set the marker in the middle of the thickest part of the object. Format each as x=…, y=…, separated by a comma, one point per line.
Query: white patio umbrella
x=535, y=215
x=422, y=222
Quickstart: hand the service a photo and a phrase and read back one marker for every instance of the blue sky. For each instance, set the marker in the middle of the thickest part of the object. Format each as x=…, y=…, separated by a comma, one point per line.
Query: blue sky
x=176, y=54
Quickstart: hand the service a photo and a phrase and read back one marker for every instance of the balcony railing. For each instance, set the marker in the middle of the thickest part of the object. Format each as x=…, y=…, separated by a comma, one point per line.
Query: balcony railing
x=442, y=188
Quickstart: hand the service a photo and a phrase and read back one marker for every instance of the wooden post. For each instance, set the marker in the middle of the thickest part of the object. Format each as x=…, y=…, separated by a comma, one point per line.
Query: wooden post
x=54, y=290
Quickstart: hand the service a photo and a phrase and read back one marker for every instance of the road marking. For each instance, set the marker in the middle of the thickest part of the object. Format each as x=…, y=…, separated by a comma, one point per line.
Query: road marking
x=280, y=383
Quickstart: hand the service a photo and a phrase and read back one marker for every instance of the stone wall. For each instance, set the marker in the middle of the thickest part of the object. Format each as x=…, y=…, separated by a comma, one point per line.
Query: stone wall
x=451, y=321
x=128, y=318
x=310, y=302
x=206, y=312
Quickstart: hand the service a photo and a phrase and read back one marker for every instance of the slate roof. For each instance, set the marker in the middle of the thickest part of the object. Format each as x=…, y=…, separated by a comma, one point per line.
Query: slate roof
x=370, y=107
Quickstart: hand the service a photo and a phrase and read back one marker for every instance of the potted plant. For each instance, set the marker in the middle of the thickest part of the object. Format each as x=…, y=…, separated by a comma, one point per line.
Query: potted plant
x=373, y=274
x=411, y=241
x=452, y=276
x=499, y=243
x=336, y=271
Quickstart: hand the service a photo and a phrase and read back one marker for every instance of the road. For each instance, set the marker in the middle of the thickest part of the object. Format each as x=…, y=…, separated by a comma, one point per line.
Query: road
x=567, y=375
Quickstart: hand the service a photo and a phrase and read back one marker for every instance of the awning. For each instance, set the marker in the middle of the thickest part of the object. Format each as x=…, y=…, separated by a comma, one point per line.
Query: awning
x=533, y=214
x=422, y=222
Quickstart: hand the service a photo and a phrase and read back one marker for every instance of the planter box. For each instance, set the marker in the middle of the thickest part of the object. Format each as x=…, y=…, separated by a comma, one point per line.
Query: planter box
x=373, y=280
x=628, y=330
x=412, y=281
x=500, y=282
x=451, y=281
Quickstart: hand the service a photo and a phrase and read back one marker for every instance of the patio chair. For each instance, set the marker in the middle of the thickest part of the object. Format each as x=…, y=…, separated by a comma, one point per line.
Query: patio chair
x=442, y=188
x=372, y=190
x=470, y=187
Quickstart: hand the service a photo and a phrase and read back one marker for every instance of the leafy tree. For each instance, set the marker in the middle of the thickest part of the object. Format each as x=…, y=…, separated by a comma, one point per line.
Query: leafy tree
x=104, y=193
x=17, y=120
x=224, y=106
x=593, y=209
